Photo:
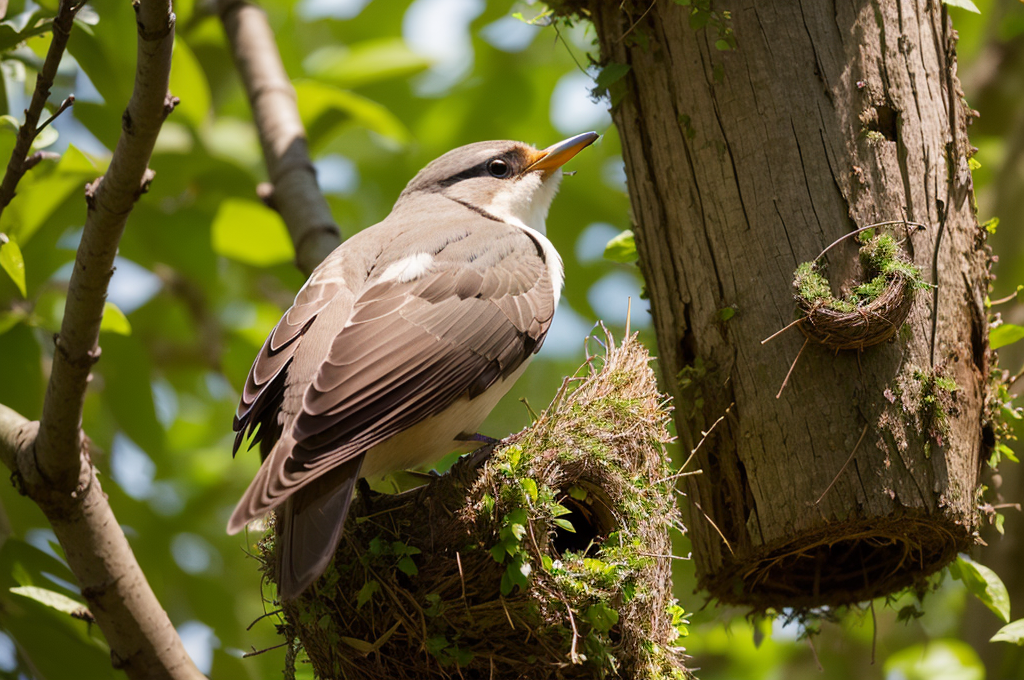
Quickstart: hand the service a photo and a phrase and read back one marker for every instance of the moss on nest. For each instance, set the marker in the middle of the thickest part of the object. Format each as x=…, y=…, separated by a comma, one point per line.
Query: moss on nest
x=873, y=311
x=551, y=554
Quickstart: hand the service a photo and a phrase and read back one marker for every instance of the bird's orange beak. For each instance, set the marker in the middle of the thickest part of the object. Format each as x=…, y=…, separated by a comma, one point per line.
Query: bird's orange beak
x=555, y=156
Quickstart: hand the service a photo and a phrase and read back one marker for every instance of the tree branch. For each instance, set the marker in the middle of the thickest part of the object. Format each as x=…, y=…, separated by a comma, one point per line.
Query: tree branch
x=110, y=200
x=142, y=640
x=18, y=166
x=50, y=459
x=296, y=195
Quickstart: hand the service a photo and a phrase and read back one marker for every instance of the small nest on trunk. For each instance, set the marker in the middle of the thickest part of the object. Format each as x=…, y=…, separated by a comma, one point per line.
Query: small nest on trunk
x=873, y=312
x=548, y=558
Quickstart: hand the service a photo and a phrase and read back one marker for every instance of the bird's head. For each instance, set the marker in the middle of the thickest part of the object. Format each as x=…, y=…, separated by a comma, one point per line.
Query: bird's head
x=511, y=181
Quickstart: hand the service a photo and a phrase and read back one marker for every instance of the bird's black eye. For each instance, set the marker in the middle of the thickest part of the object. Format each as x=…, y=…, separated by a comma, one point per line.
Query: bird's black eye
x=499, y=168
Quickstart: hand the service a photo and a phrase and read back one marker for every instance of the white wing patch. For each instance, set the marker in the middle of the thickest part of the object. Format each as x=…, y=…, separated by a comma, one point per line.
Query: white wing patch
x=408, y=268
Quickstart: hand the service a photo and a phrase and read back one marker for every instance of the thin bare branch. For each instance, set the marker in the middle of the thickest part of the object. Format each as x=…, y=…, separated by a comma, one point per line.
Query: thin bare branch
x=296, y=195
x=17, y=166
x=64, y=106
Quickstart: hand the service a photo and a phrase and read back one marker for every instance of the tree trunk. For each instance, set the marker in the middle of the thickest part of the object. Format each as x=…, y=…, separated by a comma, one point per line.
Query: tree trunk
x=745, y=162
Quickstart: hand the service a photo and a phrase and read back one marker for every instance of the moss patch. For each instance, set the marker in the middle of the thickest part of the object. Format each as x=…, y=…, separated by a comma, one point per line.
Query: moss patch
x=873, y=311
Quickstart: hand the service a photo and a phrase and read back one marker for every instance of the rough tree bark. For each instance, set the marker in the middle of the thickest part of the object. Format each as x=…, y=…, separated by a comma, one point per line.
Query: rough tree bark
x=743, y=163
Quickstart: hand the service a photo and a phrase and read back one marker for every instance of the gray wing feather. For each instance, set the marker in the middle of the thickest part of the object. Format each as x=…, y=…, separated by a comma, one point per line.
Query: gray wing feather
x=264, y=388
x=407, y=352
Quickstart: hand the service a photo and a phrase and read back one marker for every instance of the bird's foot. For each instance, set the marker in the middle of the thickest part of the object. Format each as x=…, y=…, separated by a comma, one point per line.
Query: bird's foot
x=480, y=439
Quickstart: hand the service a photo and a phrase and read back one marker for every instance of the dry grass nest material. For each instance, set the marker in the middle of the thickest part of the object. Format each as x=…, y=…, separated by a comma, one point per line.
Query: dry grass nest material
x=843, y=564
x=549, y=558
x=873, y=312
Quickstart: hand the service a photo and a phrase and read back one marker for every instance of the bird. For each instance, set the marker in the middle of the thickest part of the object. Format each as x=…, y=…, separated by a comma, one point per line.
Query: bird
x=400, y=343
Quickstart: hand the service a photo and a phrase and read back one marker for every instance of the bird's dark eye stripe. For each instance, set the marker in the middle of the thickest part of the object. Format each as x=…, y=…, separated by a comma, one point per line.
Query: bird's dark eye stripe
x=481, y=170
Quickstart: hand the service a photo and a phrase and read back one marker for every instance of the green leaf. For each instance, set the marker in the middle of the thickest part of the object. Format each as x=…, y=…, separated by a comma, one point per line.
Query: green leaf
x=984, y=584
x=578, y=492
x=369, y=589
x=407, y=566
x=400, y=548
x=252, y=233
x=990, y=225
x=1005, y=334
x=611, y=73
x=114, y=320
x=973, y=163
x=601, y=617
x=46, y=137
x=326, y=111
x=1011, y=632
x=58, y=601
x=726, y=313
x=557, y=509
x=365, y=62
x=530, y=487
x=565, y=524
x=13, y=262
x=42, y=191
x=35, y=24
x=362, y=646
x=188, y=83
x=962, y=4
x=622, y=248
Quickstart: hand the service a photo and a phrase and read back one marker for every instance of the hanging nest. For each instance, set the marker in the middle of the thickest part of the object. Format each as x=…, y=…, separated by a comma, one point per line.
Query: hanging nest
x=548, y=558
x=873, y=312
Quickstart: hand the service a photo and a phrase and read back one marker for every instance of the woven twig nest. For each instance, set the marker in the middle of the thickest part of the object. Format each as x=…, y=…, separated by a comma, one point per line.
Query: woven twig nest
x=873, y=312
x=548, y=559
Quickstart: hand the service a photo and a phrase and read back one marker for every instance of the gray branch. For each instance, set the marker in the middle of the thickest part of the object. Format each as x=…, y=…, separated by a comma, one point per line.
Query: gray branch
x=296, y=195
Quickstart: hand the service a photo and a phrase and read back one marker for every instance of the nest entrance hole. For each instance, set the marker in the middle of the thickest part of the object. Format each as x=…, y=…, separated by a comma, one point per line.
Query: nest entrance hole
x=843, y=564
x=590, y=516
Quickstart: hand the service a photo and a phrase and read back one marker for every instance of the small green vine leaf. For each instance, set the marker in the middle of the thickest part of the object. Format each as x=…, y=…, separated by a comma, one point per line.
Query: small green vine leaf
x=962, y=4
x=984, y=584
x=1011, y=632
x=622, y=248
x=1004, y=335
x=12, y=262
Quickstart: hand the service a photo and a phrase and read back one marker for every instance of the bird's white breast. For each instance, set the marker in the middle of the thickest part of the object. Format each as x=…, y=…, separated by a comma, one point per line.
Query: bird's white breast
x=431, y=439
x=525, y=204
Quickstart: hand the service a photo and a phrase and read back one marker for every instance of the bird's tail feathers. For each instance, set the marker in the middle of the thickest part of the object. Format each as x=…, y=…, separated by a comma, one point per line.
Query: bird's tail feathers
x=309, y=527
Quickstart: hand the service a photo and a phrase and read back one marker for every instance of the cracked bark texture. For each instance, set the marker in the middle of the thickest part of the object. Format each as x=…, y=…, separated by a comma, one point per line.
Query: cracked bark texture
x=744, y=163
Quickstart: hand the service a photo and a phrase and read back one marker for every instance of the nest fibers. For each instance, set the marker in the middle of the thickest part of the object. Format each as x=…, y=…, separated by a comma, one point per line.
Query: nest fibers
x=550, y=558
x=873, y=312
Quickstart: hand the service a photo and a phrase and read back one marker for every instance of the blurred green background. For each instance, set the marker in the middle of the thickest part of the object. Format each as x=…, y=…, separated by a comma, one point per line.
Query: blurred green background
x=205, y=271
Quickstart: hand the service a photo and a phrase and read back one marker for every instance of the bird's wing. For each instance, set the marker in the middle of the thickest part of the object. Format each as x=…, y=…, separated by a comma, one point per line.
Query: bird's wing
x=264, y=388
x=409, y=350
